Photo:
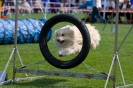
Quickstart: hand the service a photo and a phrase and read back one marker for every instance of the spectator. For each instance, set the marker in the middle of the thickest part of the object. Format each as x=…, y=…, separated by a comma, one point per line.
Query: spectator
x=110, y=6
x=77, y=2
x=131, y=14
x=124, y=6
x=62, y=1
x=54, y=4
x=71, y=2
x=85, y=4
x=63, y=8
x=39, y=5
x=19, y=3
x=95, y=10
x=26, y=6
x=10, y=3
x=30, y=2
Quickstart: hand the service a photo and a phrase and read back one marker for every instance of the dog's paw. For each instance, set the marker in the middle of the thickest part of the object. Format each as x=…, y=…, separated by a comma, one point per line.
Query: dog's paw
x=60, y=55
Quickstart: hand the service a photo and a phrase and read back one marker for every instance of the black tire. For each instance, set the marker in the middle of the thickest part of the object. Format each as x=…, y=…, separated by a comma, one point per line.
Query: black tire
x=44, y=47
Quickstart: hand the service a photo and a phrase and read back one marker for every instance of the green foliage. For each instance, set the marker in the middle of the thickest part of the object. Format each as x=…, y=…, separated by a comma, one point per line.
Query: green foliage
x=99, y=59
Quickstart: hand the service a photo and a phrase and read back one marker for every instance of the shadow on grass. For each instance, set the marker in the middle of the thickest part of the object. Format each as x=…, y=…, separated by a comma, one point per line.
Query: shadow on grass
x=44, y=82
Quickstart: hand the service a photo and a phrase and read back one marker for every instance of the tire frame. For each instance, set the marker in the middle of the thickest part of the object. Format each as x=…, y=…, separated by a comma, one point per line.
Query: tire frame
x=44, y=47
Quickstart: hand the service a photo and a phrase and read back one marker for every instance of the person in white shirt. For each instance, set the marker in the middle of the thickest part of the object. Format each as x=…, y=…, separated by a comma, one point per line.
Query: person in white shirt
x=109, y=6
x=38, y=3
x=95, y=10
x=98, y=3
x=124, y=6
x=26, y=6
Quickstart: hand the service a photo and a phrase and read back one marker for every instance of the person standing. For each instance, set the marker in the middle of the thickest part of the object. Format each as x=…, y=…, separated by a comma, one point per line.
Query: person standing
x=96, y=12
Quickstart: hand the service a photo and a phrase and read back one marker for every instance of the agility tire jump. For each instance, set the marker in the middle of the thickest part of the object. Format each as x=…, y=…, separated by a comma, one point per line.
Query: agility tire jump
x=44, y=47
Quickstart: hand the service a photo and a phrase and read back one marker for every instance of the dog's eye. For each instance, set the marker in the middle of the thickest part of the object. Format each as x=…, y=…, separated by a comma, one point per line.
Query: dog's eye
x=63, y=35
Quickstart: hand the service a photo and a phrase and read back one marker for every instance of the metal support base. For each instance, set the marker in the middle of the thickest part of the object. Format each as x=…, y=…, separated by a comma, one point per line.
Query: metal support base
x=20, y=79
x=65, y=74
x=114, y=62
x=14, y=51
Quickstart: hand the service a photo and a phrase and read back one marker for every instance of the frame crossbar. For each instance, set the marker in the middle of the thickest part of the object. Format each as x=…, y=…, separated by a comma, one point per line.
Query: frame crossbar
x=66, y=74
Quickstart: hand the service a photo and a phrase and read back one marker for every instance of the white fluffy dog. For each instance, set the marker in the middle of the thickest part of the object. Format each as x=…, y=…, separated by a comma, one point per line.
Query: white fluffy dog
x=68, y=39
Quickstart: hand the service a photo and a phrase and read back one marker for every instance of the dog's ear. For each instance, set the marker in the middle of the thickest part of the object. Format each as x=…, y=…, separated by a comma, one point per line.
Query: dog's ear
x=55, y=32
x=68, y=27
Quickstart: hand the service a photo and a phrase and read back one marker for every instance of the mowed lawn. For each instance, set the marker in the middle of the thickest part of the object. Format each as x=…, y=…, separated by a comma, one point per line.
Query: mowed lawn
x=97, y=61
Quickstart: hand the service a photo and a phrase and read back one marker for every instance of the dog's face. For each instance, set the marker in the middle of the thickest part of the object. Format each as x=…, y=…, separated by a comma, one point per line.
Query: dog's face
x=64, y=36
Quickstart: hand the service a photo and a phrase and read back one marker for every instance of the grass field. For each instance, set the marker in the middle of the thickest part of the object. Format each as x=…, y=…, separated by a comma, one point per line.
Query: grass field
x=99, y=59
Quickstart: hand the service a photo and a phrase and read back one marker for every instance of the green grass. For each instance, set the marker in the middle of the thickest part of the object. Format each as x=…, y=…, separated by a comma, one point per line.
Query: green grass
x=99, y=59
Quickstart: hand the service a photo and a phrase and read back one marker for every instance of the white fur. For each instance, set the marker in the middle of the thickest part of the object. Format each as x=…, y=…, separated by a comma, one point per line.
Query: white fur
x=68, y=39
